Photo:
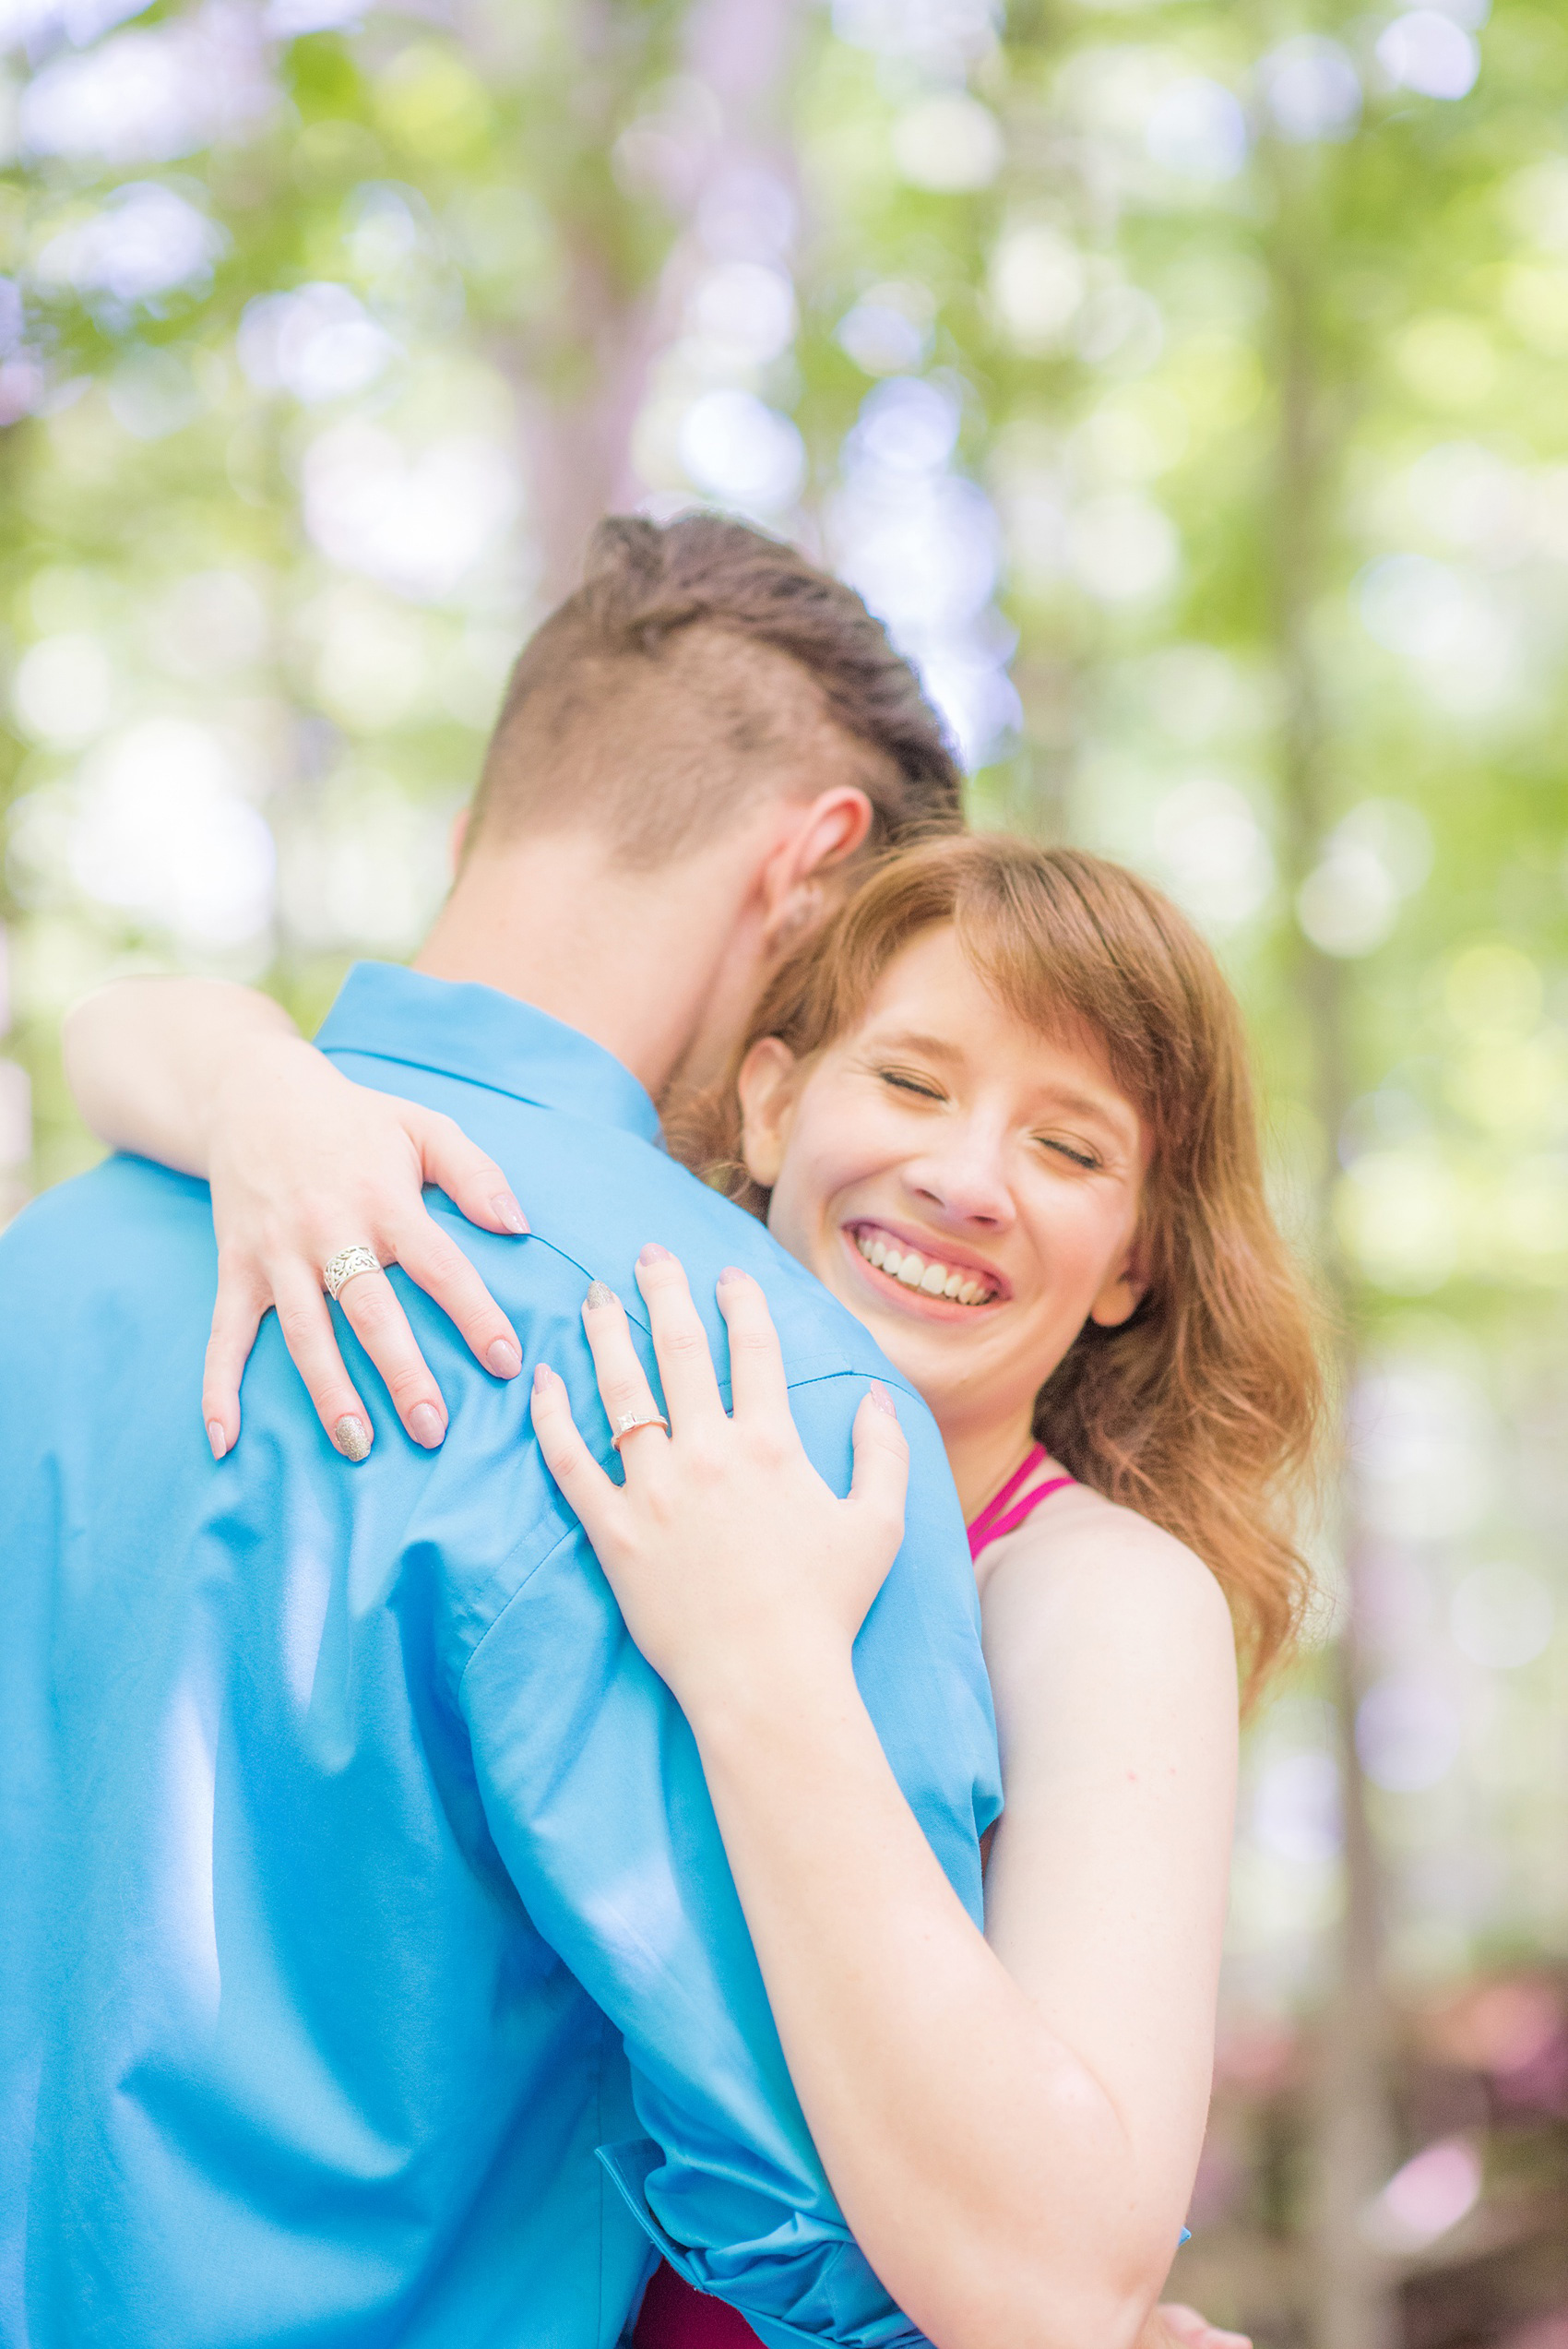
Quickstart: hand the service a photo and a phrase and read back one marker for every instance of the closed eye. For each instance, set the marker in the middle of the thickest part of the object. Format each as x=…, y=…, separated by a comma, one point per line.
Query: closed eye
x=1085, y=1159
x=902, y=1081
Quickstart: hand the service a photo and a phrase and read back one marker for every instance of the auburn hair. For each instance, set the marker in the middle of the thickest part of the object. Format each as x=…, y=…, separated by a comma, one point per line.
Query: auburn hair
x=1200, y=1411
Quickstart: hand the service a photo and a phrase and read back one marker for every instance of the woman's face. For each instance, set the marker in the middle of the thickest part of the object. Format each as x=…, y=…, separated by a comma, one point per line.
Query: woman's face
x=968, y=1187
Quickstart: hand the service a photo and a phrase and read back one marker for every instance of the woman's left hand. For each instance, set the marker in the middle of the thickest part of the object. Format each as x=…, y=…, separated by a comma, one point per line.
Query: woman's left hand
x=733, y=1563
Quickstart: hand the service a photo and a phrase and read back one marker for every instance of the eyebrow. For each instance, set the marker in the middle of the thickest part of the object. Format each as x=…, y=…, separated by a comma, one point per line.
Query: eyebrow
x=1091, y=1103
x=912, y=1040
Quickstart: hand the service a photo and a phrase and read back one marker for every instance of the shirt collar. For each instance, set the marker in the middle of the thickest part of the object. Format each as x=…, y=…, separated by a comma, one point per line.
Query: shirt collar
x=486, y=1037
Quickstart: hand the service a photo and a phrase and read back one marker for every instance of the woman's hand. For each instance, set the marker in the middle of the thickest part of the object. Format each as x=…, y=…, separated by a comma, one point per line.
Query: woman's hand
x=732, y=1561
x=302, y=1163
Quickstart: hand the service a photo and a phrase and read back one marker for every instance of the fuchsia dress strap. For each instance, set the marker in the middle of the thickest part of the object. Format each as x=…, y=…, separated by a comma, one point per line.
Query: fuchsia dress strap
x=1003, y=1515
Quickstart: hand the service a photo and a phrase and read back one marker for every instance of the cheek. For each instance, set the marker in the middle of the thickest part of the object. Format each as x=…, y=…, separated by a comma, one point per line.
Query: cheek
x=1083, y=1240
x=808, y=1178
x=833, y=1144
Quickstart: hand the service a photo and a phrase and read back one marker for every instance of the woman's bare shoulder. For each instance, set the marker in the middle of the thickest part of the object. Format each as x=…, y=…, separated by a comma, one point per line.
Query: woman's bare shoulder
x=1084, y=1558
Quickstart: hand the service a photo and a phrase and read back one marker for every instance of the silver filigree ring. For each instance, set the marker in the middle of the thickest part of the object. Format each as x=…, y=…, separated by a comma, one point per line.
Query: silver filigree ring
x=345, y=1265
x=630, y=1421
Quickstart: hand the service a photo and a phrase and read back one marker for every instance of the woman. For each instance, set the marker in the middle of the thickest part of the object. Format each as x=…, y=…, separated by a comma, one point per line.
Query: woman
x=1000, y=1108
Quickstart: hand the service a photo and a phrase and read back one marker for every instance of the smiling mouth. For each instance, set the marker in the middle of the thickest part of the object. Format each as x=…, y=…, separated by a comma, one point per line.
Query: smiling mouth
x=958, y=1284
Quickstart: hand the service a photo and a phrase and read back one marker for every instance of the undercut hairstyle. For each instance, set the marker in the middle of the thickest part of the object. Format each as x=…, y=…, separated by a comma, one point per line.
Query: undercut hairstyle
x=1203, y=1411
x=700, y=666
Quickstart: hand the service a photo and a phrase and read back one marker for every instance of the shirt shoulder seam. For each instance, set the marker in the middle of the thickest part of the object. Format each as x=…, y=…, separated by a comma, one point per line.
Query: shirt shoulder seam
x=812, y=1379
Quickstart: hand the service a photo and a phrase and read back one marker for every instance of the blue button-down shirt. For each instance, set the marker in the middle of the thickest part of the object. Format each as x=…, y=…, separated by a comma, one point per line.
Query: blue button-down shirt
x=371, y=1971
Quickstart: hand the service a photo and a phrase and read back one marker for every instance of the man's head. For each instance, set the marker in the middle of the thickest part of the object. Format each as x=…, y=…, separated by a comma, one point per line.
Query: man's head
x=700, y=667
x=693, y=748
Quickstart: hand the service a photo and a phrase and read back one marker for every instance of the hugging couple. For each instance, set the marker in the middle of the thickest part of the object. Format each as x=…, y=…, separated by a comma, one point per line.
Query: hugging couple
x=606, y=1822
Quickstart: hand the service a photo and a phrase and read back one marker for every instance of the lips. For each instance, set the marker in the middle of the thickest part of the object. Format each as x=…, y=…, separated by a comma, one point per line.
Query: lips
x=931, y=1275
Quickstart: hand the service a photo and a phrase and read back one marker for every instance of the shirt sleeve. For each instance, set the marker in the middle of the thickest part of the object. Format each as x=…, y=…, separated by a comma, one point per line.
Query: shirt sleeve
x=595, y=1795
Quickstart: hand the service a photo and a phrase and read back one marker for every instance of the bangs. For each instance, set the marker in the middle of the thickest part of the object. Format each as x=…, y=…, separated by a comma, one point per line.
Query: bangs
x=1078, y=971
x=1077, y=950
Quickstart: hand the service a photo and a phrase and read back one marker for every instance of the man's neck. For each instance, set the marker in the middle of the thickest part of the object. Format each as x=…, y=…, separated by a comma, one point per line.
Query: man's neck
x=626, y=957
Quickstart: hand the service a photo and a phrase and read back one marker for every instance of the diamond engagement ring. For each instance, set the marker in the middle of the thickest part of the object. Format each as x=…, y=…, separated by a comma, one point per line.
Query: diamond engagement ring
x=629, y=1421
x=345, y=1266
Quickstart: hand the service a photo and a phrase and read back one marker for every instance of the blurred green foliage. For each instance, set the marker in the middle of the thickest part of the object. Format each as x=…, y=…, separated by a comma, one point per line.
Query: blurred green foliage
x=1184, y=385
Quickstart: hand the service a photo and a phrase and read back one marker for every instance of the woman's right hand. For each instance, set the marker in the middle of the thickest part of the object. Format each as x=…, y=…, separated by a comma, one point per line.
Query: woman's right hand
x=302, y=1163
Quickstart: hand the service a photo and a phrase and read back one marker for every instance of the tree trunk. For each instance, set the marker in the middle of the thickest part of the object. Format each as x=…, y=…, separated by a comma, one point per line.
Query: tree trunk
x=1353, y=2136
x=582, y=391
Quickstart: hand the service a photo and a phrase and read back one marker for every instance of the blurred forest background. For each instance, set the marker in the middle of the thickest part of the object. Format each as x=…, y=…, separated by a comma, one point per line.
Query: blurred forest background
x=1184, y=385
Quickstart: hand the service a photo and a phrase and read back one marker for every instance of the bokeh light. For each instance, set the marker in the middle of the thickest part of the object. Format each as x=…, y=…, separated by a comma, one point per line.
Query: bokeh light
x=1181, y=388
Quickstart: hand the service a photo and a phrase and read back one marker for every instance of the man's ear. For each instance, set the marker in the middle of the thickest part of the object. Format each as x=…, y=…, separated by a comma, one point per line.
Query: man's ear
x=765, y=1084
x=823, y=833
x=1121, y=1296
x=836, y=824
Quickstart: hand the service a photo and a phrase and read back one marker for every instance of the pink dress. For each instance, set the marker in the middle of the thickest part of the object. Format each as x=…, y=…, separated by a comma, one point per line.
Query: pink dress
x=674, y=2314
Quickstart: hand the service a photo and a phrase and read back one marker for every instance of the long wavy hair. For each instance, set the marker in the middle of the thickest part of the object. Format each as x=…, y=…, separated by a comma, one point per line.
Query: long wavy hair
x=1201, y=1411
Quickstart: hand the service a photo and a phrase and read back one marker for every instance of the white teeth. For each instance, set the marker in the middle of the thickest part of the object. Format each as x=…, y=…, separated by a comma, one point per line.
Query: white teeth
x=916, y=1271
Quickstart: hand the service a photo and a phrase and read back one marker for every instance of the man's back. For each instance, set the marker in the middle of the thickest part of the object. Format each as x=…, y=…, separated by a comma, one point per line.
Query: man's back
x=346, y=1839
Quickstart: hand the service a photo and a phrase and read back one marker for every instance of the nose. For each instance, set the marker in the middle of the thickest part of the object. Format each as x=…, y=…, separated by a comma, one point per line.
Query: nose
x=963, y=1182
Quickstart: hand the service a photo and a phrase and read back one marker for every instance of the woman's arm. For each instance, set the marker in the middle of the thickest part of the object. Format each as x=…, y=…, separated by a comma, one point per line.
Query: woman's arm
x=215, y=1079
x=146, y=1059
x=1112, y=1666
x=1012, y=2126
x=1014, y=2129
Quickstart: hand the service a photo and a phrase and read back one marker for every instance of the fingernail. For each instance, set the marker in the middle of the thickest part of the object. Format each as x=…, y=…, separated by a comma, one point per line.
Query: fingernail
x=653, y=1254
x=731, y=1272
x=507, y=1211
x=425, y=1425
x=541, y=1377
x=217, y=1438
x=502, y=1358
x=882, y=1400
x=352, y=1436
x=598, y=1295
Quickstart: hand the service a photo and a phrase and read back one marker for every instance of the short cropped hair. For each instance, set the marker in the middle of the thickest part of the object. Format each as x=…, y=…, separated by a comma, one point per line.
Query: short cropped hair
x=701, y=664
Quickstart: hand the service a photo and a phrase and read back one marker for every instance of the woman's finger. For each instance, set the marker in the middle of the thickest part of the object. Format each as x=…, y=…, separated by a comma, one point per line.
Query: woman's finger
x=370, y=1306
x=882, y=1464
x=236, y=1318
x=307, y=1332
x=584, y=1485
x=758, y=1388
x=1196, y=2330
x=624, y=1389
x=685, y=1359
x=471, y=1181
x=433, y=1259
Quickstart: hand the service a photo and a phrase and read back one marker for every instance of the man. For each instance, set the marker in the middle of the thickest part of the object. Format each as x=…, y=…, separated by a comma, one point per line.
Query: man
x=362, y=1888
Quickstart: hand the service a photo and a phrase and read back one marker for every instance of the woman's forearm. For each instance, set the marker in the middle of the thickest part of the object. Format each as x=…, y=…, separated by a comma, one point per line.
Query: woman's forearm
x=146, y=1059
x=1011, y=2121
x=982, y=2166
